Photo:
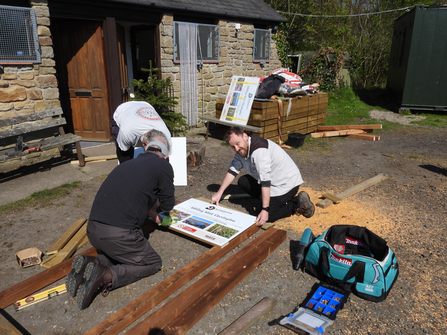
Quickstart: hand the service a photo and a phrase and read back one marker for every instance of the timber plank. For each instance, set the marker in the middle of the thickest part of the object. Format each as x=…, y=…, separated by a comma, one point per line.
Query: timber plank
x=337, y=133
x=7, y=328
x=367, y=137
x=39, y=281
x=30, y=117
x=124, y=317
x=28, y=128
x=203, y=295
x=68, y=250
x=69, y=233
x=351, y=126
x=251, y=317
x=353, y=190
x=186, y=308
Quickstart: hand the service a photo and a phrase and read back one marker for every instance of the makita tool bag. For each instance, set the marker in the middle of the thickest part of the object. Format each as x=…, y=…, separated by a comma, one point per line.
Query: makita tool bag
x=354, y=259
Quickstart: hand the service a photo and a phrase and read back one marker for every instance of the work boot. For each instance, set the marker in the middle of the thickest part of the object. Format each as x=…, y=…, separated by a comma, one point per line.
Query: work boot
x=76, y=277
x=307, y=208
x=94, y=281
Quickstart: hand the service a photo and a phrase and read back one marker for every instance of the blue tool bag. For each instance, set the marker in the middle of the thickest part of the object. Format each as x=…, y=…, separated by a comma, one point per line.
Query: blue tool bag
x=353, y=258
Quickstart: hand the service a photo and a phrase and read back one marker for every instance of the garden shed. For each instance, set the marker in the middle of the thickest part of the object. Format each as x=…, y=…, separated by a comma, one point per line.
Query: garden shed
x=417, y=74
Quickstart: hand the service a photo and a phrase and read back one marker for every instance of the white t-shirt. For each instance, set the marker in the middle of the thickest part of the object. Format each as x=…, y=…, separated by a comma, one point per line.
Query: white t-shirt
x=135, y=118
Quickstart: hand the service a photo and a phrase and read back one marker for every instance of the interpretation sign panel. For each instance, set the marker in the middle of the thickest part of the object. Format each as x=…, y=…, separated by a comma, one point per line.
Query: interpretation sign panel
x=239, y=99
x=212, y=224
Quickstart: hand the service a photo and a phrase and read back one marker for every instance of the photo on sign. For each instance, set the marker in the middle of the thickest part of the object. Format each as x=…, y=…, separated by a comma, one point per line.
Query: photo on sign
x=175, y=215
x=198, y=222
x=222, y=231
x=235, y=99
x=231, y=112
x=238, y=87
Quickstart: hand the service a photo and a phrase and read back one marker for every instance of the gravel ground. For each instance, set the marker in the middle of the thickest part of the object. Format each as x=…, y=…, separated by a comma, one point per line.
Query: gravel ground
x=409, y=210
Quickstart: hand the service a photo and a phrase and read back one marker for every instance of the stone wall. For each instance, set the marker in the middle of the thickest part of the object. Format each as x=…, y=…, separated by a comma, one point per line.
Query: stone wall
x=26, y=89
x=236, y=58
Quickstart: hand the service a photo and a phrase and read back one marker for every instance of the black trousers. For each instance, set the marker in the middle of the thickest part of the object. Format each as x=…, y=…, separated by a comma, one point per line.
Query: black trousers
x=126, y=252
x=120, y=154
x=280, y=207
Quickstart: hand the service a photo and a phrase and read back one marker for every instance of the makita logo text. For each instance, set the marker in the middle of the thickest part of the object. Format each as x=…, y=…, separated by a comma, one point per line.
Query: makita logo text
x=341, y=260
x=369, y=288
x=354, y=242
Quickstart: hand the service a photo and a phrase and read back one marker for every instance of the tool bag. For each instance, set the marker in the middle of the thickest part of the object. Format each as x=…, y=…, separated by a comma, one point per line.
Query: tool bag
x=354, y=259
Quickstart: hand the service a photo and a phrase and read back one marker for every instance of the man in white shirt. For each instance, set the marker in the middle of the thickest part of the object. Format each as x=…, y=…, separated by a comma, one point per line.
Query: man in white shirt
x=272, y=176
x=130, y=122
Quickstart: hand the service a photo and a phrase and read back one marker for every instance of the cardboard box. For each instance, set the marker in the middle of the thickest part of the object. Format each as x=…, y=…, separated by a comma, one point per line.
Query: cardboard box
x=29, y=257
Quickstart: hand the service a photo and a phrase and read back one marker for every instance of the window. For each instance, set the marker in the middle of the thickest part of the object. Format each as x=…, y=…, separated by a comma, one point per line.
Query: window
x=208, y=42
x=261, y=48
x=19, y=42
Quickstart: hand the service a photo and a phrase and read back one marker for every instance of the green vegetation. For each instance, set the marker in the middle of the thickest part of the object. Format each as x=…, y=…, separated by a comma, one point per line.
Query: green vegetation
x=347, y=106
x=156, y=92
x=315, y=25
x=432, y=120
x=40, y=199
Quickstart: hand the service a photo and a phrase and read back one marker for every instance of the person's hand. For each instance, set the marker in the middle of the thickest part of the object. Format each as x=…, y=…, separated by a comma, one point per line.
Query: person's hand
x=154, y=215
x=215, y=199
x=262, y=218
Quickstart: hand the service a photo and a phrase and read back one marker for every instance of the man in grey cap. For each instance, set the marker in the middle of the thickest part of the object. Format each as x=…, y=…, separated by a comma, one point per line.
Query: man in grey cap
x=132, y=192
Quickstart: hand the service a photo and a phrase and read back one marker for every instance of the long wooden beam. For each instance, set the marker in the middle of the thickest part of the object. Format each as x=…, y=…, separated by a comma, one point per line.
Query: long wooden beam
x=334, y=133
x=124, y=317
x=351, y=126
x=251, y=317
x=353, y=190
x=178, y=315
x=39, y=281
x=367, y=137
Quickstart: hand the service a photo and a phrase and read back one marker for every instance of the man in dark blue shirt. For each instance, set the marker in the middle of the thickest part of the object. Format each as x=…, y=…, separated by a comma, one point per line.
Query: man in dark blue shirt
x=133, y=191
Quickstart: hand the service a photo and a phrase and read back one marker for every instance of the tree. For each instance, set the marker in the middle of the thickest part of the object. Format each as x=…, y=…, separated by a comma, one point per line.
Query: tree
x=350, y=25
x=156, y=92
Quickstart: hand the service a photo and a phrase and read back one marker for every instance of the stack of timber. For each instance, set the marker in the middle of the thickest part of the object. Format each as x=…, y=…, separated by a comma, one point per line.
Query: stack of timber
x=351, y=131
x=301, y=114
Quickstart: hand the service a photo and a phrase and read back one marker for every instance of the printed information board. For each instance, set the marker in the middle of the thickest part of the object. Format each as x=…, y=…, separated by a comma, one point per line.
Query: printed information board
x=239, y=99
x=212, y=224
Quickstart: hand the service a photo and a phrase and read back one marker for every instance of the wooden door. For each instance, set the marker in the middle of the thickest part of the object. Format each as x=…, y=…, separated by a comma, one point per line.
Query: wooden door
x=81, y=50
x=124, y=78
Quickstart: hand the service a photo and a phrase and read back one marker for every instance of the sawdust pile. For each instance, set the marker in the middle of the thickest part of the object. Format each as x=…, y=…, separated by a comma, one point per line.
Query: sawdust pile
x=349, y=212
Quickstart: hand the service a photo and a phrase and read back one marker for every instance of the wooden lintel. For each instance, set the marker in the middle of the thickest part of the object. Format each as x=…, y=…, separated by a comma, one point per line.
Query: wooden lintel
x=69, y=233
x=179, y=314
x=96, y=159
x=69, y=249
x=367, y=137
x=351, y=126
x=137, y=308
x=353, y=190
x=251, y=317
x=337, y=133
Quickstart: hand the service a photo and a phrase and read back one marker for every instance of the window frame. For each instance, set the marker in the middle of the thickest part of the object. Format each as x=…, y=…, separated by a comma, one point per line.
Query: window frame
x=26, y=22
x=261, y=58
x=200, y=38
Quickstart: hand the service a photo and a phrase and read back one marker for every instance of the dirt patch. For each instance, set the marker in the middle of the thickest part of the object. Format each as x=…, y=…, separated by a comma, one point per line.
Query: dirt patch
x=409, y=210
x=393, y=117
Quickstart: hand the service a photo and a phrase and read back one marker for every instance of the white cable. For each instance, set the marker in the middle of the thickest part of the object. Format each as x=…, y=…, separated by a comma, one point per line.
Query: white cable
x=350, y=15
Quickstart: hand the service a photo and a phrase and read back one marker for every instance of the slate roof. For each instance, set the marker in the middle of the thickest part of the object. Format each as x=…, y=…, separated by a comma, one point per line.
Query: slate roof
x=243, y=9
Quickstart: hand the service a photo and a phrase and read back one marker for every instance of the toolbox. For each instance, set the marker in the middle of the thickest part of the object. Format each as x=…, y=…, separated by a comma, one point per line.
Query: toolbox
x=317, y=311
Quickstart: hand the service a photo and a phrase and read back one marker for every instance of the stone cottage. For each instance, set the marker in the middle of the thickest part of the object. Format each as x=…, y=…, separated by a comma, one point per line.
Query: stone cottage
x=87, y=52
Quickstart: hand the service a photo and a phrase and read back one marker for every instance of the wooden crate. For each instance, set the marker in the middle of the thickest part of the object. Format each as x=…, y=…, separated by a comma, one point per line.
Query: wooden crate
x=305, y=115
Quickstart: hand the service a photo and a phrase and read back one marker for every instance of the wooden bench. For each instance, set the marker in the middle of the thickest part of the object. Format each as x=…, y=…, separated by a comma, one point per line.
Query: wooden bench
x=42, y=130
x=227, y=123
